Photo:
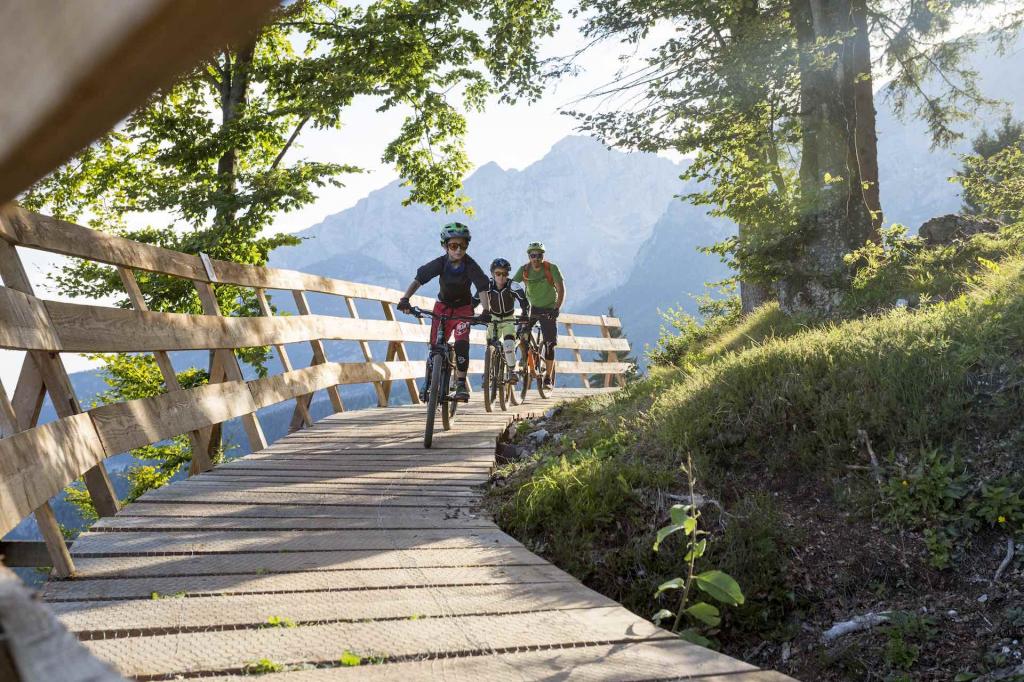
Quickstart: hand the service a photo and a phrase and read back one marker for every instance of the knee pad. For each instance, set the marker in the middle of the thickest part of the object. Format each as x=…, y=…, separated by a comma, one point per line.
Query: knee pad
x=462, y=355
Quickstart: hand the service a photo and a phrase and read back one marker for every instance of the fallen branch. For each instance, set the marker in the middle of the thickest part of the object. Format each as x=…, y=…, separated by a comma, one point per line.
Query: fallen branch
x=865, y=622
x=863, y=436
x=1010, y=549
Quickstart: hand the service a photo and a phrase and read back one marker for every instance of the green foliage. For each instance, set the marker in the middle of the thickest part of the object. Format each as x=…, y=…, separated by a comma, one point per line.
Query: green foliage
x=263, y=666
x=995, y=185
x=279, y=622
x=703, y=617
x=981, y=171
x=943, y=498
x=905, y=634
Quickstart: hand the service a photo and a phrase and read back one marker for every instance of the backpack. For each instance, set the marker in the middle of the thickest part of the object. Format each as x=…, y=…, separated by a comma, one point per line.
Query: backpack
x=547, y=273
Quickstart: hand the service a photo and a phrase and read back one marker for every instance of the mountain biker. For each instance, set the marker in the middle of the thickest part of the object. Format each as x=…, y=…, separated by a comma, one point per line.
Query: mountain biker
x=502, y=295
x=546, y=291
x=457, y=271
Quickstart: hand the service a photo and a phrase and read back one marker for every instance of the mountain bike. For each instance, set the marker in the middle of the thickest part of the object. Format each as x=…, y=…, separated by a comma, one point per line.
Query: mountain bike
x=497, y=382
x=536, y=367
x=440, y=368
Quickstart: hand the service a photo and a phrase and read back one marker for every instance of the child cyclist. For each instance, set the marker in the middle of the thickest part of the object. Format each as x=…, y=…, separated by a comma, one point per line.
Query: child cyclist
x=457, y=271
x=502, y=294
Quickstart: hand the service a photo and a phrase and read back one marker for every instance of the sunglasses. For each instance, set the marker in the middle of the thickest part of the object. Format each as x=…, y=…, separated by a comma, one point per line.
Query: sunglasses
x=537, y=254
x=500, y=273
x=457, y=246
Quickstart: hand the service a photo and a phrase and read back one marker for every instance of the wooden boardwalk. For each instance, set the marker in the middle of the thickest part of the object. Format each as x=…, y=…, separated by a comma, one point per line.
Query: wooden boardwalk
x=358, y=541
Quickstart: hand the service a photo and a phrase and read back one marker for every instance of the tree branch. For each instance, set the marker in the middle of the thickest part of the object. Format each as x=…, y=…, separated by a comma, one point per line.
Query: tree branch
x=288, y=144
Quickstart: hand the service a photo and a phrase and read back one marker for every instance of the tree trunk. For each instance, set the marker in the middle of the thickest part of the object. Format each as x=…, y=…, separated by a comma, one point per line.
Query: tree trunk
x=753, y=296
x=234, y=91
x=839, y=165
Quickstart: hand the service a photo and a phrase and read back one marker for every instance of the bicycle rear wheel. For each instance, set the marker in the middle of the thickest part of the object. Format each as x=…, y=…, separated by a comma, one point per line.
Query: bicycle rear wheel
x=528, y=370
x=433, y=397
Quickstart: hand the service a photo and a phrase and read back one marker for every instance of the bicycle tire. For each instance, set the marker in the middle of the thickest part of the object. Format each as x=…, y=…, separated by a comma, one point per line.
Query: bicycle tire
x=488, y=370
x=527, y=375
x=542, y=372
x=446, y=401
x=500, y=379
x=433, y=396
x=540, y=364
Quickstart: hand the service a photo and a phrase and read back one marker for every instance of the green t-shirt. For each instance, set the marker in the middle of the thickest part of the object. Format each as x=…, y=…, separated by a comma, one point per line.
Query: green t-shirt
x=539, y=292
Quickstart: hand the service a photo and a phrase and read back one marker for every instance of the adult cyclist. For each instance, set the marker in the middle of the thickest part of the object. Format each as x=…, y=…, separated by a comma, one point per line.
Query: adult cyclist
x=457, y=271
x=502, y=295
x=545, y=290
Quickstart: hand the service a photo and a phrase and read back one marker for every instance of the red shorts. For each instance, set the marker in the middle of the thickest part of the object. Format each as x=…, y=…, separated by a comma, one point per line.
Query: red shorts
x=458, y=328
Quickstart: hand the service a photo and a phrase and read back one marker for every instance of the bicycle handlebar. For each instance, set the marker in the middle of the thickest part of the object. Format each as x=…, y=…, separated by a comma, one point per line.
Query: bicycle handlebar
x=420, y=312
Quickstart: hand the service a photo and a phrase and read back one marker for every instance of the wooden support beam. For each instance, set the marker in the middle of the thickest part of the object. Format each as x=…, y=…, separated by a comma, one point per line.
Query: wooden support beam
x=60, y=557
x=302, y=402
x=69, y=71
x=576, y=353
x=200, y=444
x=378, y=387
x=55, y=378
x=400, y=353
x=613, y=356
x=229, y=365
x=319, y=355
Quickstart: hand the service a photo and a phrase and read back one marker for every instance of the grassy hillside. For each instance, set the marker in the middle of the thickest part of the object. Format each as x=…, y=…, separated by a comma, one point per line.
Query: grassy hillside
x=780, y=417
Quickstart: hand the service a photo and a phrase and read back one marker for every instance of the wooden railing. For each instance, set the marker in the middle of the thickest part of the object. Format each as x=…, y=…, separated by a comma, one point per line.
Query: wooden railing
x=38, y=461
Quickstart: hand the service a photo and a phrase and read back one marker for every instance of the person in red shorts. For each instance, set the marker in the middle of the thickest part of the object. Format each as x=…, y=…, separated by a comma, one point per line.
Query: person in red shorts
x=457, y=272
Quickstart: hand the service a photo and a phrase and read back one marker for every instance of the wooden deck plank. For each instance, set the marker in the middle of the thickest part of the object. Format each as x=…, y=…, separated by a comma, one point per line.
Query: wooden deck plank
x=218, y=650
x=260, y=563
x=187, y=509
x=309, y=581
x=121, y=618
x=237, y=541
x=205, y=523
x=621, y=662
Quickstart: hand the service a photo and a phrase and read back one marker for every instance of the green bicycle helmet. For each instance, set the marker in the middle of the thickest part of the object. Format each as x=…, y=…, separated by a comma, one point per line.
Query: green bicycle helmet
x=535, y=246
x=452, y=230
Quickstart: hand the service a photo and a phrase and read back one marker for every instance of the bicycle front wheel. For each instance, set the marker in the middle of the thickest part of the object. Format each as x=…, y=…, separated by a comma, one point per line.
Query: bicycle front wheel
x=433, y=397
x=448, y=406
x=489, y=363
x=499, y=380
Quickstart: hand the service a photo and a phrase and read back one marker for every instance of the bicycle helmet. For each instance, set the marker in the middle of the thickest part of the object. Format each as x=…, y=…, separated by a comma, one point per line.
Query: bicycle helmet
x=535, y=246
x=500, y=263
x=454, y=230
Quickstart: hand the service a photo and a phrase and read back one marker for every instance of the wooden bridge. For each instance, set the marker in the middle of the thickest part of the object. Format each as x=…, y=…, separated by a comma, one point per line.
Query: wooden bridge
x=343, y=542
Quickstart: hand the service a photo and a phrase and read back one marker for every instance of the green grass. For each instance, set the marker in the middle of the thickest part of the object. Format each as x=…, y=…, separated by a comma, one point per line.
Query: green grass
x=770, y=405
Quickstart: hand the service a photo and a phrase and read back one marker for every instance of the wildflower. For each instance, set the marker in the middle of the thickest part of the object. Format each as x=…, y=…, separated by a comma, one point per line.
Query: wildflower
x=905, y=484
x=1001, y=519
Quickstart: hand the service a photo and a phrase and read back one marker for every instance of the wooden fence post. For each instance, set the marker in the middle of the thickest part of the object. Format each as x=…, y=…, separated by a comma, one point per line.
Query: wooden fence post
x=613, y=356
x=54, y=377
x=63, y=565
x=302, y=402
x=382, y=398
x=199, y=440
x=319, y=358
x=576, y=353
x=228, y=363
x=396, y=349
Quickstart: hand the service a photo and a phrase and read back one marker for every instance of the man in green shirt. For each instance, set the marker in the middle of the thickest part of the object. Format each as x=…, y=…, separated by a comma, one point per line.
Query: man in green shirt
x=545, y=290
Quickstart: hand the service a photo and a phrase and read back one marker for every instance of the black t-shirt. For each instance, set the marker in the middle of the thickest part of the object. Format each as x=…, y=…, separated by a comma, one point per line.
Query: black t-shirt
x=455, y=282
